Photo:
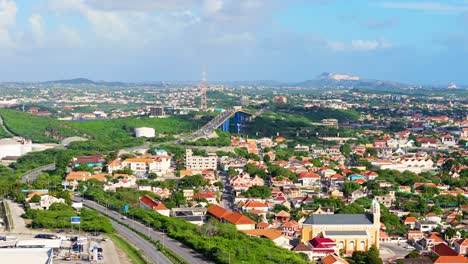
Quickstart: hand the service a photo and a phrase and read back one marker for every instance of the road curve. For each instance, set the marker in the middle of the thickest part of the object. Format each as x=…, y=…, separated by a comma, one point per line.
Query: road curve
x=32, y=175
x=175, y=246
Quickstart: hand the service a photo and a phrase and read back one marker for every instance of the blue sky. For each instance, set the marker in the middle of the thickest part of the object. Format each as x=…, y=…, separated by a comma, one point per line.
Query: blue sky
x=421, y=42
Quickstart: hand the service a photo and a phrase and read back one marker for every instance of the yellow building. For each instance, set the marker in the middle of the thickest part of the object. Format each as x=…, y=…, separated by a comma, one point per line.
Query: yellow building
x=350, y=232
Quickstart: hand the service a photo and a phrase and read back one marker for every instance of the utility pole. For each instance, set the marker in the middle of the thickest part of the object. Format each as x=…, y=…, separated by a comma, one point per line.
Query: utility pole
x=203, y=99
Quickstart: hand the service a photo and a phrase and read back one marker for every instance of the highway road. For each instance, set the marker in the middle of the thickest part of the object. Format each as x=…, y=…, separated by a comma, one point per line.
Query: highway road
x=175, y=246
x=32, y=175
x=148, y=249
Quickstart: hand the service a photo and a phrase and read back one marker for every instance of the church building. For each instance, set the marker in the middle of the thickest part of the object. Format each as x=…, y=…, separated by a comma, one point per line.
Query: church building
x=351, y=232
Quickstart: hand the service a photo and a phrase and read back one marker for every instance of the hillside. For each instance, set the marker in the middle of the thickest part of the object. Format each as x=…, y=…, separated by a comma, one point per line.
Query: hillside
x=42, y=129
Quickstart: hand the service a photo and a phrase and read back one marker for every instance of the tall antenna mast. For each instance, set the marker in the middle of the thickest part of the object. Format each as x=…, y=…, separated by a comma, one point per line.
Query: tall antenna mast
x=203, y=101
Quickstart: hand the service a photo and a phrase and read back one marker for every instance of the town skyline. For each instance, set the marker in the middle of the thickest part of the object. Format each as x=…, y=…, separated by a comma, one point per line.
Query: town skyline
x=421, y=42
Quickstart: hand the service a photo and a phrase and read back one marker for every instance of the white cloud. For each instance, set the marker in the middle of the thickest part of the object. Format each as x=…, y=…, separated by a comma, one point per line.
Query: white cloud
x=212, y=6
x=8, y=11
x=365, y=45
x=426, y=6
x=37, y=28
x=359, y=45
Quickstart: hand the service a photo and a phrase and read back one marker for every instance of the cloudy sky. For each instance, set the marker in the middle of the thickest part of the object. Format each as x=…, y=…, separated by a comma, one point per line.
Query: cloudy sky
x=289, y=40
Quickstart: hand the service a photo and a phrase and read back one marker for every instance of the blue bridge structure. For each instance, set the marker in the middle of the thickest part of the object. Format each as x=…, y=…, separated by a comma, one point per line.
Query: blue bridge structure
x=224, y=121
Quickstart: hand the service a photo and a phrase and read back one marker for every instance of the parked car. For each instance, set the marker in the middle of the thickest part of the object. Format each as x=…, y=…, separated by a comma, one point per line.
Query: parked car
x=46, y=236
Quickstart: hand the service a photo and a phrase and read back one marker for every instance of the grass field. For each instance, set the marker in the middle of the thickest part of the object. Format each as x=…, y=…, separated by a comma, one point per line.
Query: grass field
x=42, y=129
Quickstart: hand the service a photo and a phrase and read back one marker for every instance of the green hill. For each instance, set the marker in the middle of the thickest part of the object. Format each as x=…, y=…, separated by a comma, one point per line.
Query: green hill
x=43, y=129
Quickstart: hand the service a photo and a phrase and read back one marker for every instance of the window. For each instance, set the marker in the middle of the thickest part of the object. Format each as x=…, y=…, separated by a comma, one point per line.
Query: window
x=362, y=246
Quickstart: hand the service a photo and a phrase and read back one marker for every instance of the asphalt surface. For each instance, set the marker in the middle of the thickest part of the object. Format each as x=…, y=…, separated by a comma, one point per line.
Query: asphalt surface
x=175, y=246
x=148, y=249
x=32, y=175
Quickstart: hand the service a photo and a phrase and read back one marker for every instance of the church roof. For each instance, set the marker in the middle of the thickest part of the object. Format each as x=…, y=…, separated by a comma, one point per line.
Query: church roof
x=345, y=233
x=339, y=219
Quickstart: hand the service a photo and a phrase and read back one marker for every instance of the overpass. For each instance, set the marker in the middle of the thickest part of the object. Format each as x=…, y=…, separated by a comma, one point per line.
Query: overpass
x=223, y=122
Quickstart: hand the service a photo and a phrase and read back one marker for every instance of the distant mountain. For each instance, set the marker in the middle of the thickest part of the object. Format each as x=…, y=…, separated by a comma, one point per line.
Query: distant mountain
x=72, y=81
x=335, y=80
x=78, y=81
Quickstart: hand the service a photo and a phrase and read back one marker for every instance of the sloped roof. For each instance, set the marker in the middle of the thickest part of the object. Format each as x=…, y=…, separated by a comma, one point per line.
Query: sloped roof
x=217, y=211
x=237, y=218
x=338, y=219
x=443, y=250
x=148, y=201
x=333, y=259
x=269, y=233
x=451, y=259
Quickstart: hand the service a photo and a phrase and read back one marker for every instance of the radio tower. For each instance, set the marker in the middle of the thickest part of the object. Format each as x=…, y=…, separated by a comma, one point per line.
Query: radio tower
x=203, y=103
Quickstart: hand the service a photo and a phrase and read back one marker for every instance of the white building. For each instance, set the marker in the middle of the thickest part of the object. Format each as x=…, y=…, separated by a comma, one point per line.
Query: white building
x=199, y=162
x=143, y=166
x=416, y=165
x=45, y=202
x=145, y=132
x=15, y=147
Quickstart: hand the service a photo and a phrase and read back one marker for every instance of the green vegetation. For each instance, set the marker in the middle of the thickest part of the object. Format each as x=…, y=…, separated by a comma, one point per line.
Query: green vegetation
x=258, y=191
x=38, y=128
x=47, y=129
x=58, y=216
x=368, y=257
x=134, y=254
x=217, y=242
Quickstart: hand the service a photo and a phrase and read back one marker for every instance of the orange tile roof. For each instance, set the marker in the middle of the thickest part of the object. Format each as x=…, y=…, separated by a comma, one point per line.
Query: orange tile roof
x=237, y=218
x=451, y=259
x=218, y=211
x=263, y=224
x=255, y=204
x=269, y=233
x=100, y=177
x=436, y=238
x=410, y=219
x=146, y=160
x=333, y=259
x=78, y=175
x=283, y=214
x=30, y=195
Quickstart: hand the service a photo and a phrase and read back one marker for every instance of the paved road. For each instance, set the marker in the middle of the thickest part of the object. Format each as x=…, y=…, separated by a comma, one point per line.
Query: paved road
x=4, y=127
x=148, y=249
x=178, y=248
x=19, y=226
x=32, y=175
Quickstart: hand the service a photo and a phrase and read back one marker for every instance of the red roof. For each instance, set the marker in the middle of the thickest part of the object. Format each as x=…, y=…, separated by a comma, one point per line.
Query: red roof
x=148, y=201
x=443, y=250
x=218, y=211
x=237, y=218
x=302, y=247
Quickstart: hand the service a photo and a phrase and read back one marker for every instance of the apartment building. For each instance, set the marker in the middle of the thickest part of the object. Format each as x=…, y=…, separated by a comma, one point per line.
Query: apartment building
x=193, y=162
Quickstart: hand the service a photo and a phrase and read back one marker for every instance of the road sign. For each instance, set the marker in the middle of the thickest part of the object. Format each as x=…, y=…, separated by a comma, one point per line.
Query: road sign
x=75, y=220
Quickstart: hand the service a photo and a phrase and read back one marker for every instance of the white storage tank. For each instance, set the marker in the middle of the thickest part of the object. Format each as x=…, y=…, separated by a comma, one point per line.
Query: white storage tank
x=145, y=132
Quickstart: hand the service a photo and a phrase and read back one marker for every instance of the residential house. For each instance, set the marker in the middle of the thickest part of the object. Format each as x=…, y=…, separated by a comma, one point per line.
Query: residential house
x=425, y=226
x=290, y=229
x=148, y=203
x=461, y=246
x=333, y=259
x=272, y=234
x=241, y=221
x=45, y=202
